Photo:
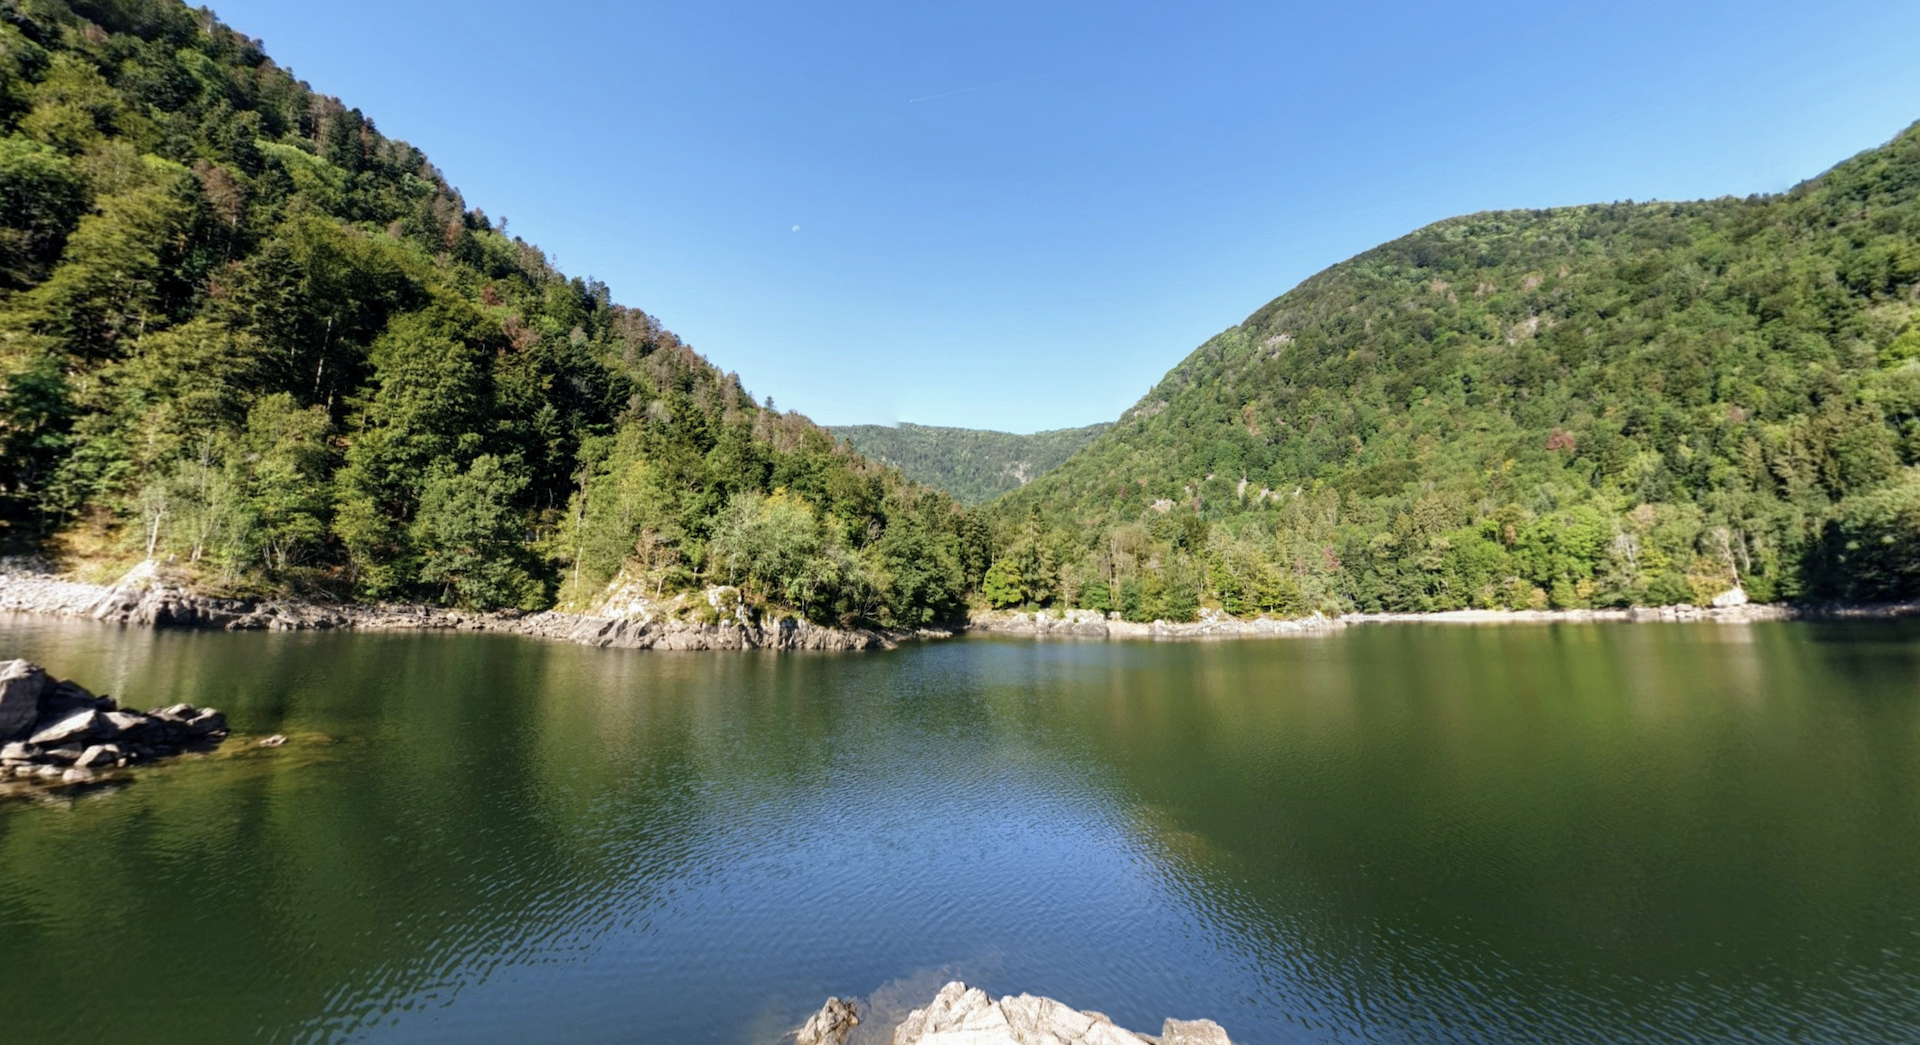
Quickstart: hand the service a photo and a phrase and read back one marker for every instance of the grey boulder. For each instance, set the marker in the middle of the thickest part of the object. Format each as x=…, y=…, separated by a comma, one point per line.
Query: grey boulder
x=100, y=756
x=77, y=726
x=70, y=696
x=124, y=724
x=22, y=685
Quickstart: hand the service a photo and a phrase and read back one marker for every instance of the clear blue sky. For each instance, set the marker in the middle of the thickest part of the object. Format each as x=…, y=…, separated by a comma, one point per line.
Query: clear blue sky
x=1019, y=215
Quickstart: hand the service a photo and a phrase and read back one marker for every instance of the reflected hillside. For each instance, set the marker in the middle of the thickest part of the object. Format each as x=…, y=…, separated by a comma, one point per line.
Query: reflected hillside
x=1560, y=834
x=1562, y=828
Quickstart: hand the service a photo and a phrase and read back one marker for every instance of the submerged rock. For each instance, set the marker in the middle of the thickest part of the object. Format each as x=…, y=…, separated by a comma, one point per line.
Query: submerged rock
x=1193, y=1032
x=59, y=731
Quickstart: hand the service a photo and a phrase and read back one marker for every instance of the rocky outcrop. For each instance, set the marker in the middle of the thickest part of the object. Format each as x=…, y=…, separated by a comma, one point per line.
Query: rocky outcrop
x=786, y=634
x=53, y=731
x=963, y=1015
x=146, y=597
x=1094, y=625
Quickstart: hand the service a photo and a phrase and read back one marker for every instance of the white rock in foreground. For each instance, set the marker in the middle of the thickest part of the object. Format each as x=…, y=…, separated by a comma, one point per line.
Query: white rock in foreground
x=962, y=1015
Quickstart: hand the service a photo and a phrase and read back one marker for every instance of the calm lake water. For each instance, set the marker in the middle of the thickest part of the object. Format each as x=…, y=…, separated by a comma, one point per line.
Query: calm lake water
x=1567, y=833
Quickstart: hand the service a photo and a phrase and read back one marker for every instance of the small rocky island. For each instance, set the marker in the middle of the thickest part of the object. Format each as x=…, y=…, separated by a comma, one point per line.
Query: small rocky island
x=963, y=1015
x=56, y=731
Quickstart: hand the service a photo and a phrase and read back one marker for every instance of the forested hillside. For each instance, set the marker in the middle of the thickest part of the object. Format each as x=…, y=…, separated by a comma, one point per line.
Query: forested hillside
x=974, y=465
x=242, y=330
x=1602, y=405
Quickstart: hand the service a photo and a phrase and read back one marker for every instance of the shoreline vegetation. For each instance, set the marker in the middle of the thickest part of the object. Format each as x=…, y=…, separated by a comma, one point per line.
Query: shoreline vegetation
x=148, y=597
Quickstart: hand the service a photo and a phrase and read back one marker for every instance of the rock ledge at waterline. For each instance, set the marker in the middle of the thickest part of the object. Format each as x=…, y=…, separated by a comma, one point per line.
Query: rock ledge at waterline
x=963, y=1015
x=145, y=597
x=57, y=732
x=1215, y=625
x=1092, y=624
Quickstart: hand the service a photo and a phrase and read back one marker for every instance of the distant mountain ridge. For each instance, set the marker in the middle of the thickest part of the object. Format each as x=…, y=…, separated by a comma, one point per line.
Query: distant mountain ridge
x=974, y=465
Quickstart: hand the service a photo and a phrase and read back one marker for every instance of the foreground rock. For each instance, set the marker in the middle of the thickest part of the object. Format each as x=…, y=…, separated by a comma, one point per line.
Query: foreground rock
x=55, y=731
x=963, y=1015
x=830, y=1026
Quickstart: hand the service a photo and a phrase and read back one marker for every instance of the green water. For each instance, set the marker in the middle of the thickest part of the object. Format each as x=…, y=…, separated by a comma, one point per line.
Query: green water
x=1599, y=833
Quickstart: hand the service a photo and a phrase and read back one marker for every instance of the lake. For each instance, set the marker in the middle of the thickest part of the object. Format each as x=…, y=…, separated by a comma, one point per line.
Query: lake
x=1410, y=833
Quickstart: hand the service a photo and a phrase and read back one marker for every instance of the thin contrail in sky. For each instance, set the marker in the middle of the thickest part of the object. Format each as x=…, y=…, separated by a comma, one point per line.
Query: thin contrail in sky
x=963, y=90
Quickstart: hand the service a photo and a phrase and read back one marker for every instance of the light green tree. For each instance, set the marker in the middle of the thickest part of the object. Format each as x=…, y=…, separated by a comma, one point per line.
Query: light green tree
x=1004, y=586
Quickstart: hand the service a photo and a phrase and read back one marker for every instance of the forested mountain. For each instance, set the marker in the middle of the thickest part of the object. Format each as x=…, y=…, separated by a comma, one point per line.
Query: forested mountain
x=1601, y=405
x=243, y=330
x=974, y=465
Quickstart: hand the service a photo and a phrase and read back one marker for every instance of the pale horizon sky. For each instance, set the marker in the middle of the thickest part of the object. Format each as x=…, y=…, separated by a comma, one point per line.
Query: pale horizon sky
x=1020, y=215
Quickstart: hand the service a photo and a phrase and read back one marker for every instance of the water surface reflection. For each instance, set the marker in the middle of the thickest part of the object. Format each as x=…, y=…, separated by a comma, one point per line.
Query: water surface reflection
x=1639, y=833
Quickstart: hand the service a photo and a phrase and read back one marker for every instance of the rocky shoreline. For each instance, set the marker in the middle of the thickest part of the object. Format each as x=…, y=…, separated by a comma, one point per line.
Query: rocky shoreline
x=1215, y=625
x=963, y=1015
x=143, y=597
x=56, y=732
x=1092, y=624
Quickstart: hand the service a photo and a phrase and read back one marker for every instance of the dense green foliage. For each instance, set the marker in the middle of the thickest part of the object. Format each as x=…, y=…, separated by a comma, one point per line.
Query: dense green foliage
x=241, y=329
x=974, y=465
x=1603, y=405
